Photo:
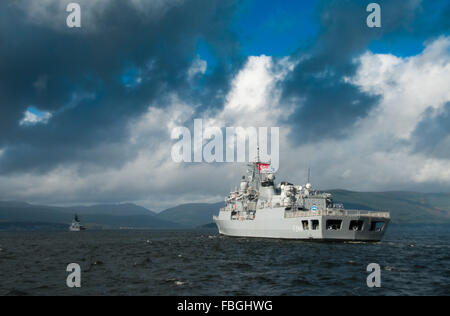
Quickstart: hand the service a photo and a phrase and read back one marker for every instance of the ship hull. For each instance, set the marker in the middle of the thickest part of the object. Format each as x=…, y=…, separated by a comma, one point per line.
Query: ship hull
x=272, y=223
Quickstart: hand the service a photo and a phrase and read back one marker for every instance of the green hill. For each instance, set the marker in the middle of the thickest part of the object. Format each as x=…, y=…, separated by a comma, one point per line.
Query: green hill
x=405, y=207
x=192, y=214
x=99, y=216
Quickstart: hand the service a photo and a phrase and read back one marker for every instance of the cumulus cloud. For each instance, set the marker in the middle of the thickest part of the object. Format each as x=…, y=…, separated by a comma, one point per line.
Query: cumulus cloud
x=327, y=106
x=34, y=116
x=388, y=148
x=408, y=85
x=198, y=67
x=95, y=82
x=150, y=176
x=52, y=13
x=360, y=120
x=432, y=133
x=254, y=98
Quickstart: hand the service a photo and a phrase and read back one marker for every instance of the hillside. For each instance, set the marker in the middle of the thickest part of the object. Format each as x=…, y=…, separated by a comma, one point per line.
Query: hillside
x=192, y=214
x=405, y=207
x=99, y=216
x=123, y=209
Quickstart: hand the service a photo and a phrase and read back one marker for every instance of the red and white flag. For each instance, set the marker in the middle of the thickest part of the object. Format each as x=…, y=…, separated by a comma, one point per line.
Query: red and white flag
x=263, y=166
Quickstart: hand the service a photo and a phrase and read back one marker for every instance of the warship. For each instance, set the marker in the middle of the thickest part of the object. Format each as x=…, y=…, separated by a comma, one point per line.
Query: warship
x=76, y=226
x=261, y=208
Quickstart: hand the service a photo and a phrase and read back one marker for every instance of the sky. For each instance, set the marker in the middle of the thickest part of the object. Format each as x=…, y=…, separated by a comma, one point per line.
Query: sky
x=86, y=114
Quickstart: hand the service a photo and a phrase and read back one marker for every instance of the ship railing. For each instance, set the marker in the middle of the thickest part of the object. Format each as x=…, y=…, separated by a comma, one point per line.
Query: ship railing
x=338, y=212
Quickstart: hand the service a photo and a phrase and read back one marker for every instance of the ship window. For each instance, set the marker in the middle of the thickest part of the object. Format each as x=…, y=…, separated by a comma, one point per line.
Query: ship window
x=377, y=226
x=314, y=224
x=305, y=225
x=334, y=224
x=356, y=225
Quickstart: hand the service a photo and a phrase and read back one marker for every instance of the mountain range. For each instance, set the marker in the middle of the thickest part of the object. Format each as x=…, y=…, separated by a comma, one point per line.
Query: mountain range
x=405, y=207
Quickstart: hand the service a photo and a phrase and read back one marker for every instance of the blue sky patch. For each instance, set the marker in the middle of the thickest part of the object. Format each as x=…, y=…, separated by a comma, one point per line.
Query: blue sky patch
x=35, y=116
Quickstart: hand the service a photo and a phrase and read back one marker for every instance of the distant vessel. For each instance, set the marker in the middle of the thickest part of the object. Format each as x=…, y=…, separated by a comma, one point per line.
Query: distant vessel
x=76, y=226
x=262, y=209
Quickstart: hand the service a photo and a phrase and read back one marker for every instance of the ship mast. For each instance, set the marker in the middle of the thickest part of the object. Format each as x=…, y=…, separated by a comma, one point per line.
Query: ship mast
x=254, y=171
x=256, y=168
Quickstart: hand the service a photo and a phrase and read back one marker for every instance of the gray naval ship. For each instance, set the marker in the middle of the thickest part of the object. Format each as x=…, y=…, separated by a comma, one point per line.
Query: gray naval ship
x=260, y=208
x=76, y=225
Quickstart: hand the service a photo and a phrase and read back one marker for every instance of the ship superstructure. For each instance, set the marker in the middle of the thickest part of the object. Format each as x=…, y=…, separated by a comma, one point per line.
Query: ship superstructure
x=262, y=208
x=76, y=225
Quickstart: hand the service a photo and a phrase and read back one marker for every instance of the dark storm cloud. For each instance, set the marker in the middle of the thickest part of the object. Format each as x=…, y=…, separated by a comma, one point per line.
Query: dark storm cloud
x=77, y=75
x=327, y=104
x=432, y=134
x=433, y=19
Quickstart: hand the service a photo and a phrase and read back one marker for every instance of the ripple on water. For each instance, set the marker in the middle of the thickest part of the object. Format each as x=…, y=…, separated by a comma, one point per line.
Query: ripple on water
x=199, y=263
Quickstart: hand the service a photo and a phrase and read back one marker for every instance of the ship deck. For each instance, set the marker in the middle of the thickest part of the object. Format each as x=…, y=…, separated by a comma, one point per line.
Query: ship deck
x=356, y=213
